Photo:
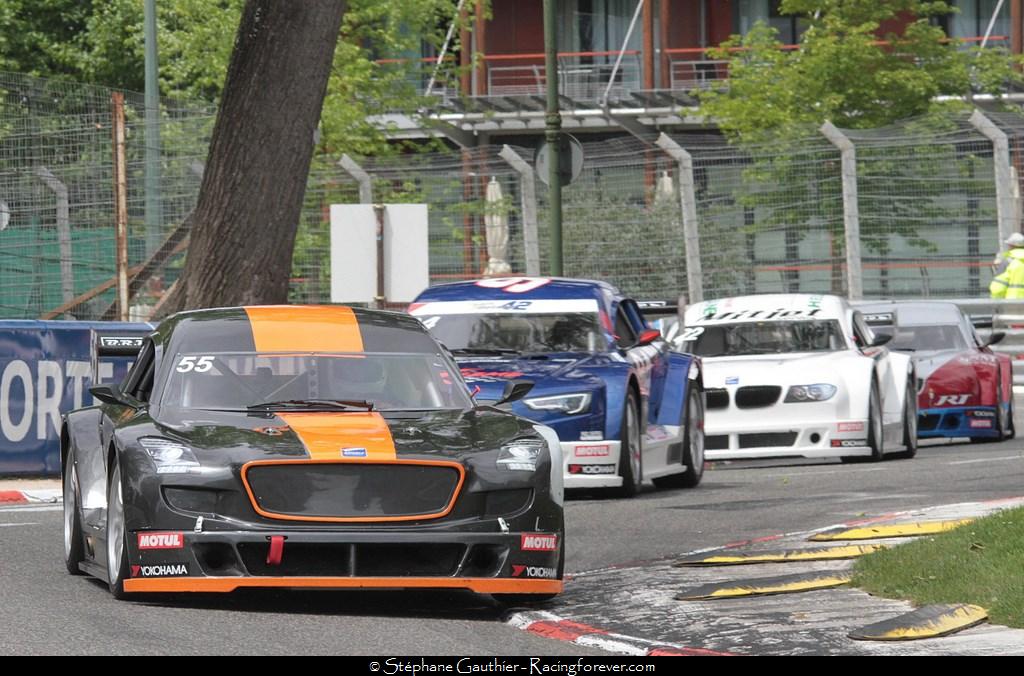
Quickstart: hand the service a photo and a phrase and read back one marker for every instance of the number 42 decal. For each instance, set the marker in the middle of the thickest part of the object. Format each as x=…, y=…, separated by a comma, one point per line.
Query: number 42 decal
x=197, y=364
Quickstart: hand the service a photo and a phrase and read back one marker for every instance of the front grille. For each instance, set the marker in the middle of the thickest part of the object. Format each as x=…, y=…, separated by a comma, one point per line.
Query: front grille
x=355, y=560
x=353, y=491
x=951, y=421
x=928, y=421
x=716, y=442
x=717, y=397
x=767, y=439
x=757, y=396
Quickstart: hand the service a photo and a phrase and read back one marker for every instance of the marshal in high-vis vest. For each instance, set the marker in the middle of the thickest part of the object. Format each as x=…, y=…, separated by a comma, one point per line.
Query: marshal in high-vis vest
x=300, y=446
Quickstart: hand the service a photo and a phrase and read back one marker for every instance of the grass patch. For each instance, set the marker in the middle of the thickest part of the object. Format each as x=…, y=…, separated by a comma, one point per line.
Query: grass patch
x=980, y=563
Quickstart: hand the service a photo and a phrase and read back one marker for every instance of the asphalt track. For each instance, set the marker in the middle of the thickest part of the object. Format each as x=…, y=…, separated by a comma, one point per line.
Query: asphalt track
x=46, y=611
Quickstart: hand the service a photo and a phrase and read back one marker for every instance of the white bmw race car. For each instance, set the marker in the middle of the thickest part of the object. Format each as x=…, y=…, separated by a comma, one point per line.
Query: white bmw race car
x=798, y=375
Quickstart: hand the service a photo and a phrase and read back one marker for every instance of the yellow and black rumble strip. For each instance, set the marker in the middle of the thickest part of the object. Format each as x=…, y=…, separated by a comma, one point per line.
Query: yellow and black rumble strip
x=727, y=558
x=785, y=584
x=896, y=530
x=927, y=622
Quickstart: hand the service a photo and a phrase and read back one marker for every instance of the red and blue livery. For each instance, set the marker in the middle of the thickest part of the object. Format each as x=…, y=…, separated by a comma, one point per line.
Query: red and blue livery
x=626, y=408
x=964, y=388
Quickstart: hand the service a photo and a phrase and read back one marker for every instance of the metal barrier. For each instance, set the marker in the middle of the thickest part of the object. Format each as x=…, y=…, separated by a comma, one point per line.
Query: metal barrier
x=46, y=371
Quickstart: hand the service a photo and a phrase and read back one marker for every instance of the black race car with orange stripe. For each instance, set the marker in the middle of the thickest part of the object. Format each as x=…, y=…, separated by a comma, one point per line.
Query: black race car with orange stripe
x=300, y=446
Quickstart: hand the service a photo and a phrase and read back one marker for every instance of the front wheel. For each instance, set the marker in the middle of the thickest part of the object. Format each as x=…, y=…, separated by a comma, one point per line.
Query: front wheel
x=909, y=424
x=875, y=433
x=630, y=461
x=117, y=549
x=74, y=551
x=693, y=445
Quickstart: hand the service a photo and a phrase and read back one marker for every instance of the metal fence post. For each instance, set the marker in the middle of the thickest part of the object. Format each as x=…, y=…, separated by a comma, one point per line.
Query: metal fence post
x=360, y=176
x=120, y=205
x=528, y=194
x=67, y=274
x=851, y=211
x=688, y=204
x=1004, y=182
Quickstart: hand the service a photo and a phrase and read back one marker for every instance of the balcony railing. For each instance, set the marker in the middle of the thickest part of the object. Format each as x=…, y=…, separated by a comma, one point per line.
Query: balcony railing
x=581, y=75
x=584, y=76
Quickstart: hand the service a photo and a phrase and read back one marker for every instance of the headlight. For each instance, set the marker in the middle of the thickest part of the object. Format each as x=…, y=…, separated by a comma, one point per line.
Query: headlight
x=170, y=457
x=816, y=392
x=569, y=404
x=521, y=456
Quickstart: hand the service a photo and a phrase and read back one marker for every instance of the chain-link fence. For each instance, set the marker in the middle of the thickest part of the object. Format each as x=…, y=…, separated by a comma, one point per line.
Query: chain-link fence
x=930, y=206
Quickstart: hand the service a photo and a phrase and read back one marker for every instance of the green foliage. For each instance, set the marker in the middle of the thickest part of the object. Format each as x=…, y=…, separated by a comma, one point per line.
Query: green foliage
x=844, y=71
x=847, y=71
x=977, y=563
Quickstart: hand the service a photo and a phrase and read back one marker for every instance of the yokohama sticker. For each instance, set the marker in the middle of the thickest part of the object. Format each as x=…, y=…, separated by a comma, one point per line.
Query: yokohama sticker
x=533, y=571
x=161, y=570
x=538, y=542
x=161, y=540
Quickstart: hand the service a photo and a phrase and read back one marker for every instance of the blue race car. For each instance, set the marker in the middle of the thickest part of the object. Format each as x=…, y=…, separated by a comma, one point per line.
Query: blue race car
x=625, y=407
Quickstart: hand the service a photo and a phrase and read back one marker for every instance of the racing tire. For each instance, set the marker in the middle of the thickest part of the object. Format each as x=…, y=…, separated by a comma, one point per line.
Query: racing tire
x=74, y=549
x=693, y=445
x=631, y=467
x=909, y=424
x=117, y=536
x=1011, y=428
x=876, y=434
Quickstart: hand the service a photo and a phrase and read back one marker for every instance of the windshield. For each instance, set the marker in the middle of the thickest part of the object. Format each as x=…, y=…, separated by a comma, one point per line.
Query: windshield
x=728, y=340
x=363, y=381
x=571, y=332
x=941, y=337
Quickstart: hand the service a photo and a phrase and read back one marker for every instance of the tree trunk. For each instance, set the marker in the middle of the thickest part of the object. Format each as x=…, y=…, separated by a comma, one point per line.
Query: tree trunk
x=252, y=191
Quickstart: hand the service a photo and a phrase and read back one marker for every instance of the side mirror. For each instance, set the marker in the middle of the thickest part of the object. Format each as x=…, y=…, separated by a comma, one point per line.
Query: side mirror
x=108, y=394
x=881, y=339
x=994, y=338
x=649, y=336
x=514, y=391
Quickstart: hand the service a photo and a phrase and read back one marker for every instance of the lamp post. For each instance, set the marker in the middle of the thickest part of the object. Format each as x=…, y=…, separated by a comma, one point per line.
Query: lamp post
x=152, y=180
x=553, y=134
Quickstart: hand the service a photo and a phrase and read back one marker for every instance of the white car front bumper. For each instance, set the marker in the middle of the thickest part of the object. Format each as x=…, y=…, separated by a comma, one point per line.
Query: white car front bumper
x=757, y=434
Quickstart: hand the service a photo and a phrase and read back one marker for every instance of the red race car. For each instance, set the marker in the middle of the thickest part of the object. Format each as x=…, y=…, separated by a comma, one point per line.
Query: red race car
x=964, y=388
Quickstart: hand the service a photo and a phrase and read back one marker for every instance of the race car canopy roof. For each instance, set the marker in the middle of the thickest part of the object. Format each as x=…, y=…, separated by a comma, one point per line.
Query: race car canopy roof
x=513, y=288
x=296, y=328
x=915, y=313
x=768, y=307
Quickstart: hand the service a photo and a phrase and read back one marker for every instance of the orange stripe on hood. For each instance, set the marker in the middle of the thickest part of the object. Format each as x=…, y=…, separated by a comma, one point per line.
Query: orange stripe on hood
x=305, y=328
x=325, y=434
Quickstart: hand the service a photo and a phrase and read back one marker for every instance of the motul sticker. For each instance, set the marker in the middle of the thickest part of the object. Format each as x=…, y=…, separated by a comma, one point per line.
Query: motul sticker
x=538, y=542
x=983, y=423
x=851, y=427
x=592, y=451
x=533, y=571
x=161, y=540
x=162, y=570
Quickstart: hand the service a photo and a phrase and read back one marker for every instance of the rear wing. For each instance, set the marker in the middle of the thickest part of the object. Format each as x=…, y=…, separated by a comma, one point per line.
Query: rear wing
x=880, y=319
x=109, y=344
x=981, y=321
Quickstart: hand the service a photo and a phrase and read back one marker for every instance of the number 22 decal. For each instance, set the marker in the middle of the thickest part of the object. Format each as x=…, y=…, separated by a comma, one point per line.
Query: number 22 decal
x=197, y=364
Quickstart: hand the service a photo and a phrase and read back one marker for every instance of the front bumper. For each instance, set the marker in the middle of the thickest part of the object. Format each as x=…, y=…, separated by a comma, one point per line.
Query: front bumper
x=222, y=561
x=591, y=464
x=729, y=437
x=962, y=421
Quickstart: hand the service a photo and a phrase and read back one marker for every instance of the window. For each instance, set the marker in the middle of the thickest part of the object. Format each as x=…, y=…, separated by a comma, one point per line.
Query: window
x=789, y=27
x=973, y=18
x=139, y=381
